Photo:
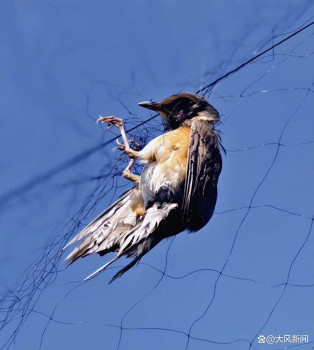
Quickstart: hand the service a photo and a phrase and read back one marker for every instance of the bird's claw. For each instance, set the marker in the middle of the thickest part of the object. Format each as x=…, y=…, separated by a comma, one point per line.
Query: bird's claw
x=111, y=121
x=120, y=145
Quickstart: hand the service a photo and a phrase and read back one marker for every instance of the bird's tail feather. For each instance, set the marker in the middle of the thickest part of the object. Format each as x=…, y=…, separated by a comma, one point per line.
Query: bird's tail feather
x=100, y=218
x=141, y=239
x=103, y=234
x=125, y=269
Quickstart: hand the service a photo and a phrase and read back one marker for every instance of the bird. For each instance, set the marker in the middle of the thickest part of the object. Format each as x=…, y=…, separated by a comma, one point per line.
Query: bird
x=176, y=190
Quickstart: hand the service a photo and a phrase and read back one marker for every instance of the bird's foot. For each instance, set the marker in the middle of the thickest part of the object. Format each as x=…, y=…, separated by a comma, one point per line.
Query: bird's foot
x=130, y=176
x=118, y=123
x=127, y=173
x=111, y=121
x=121, y=146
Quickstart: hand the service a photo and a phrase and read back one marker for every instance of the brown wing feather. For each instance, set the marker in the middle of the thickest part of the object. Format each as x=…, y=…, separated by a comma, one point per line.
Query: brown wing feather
x=203, y=170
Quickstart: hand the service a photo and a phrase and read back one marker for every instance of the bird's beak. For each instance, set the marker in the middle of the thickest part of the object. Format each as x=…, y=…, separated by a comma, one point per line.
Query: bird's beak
x=150, y=105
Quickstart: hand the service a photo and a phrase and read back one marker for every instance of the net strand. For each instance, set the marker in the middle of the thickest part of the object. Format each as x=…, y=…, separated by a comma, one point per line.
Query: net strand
x=41, y=277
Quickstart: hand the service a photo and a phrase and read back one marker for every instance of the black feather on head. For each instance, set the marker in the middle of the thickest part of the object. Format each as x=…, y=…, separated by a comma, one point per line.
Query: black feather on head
x=180, y=107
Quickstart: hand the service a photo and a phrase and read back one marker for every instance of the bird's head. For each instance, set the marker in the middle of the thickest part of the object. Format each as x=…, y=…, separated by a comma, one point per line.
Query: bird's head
x=178, y=108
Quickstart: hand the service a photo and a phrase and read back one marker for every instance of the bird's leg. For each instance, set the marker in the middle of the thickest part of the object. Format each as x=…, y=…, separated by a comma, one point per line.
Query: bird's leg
x=127, y=172
x=118, y=123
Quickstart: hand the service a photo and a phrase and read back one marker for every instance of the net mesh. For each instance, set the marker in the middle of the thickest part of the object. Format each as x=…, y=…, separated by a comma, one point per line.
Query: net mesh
x=245, y=275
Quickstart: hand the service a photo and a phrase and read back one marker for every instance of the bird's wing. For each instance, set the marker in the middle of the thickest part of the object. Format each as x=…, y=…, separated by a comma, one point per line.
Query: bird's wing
x=122, y=230
x=204, y=164
x=107, y=232
x=144, y=236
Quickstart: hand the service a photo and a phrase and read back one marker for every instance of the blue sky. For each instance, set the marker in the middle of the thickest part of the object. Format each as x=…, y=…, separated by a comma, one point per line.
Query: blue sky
x=62, y=65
